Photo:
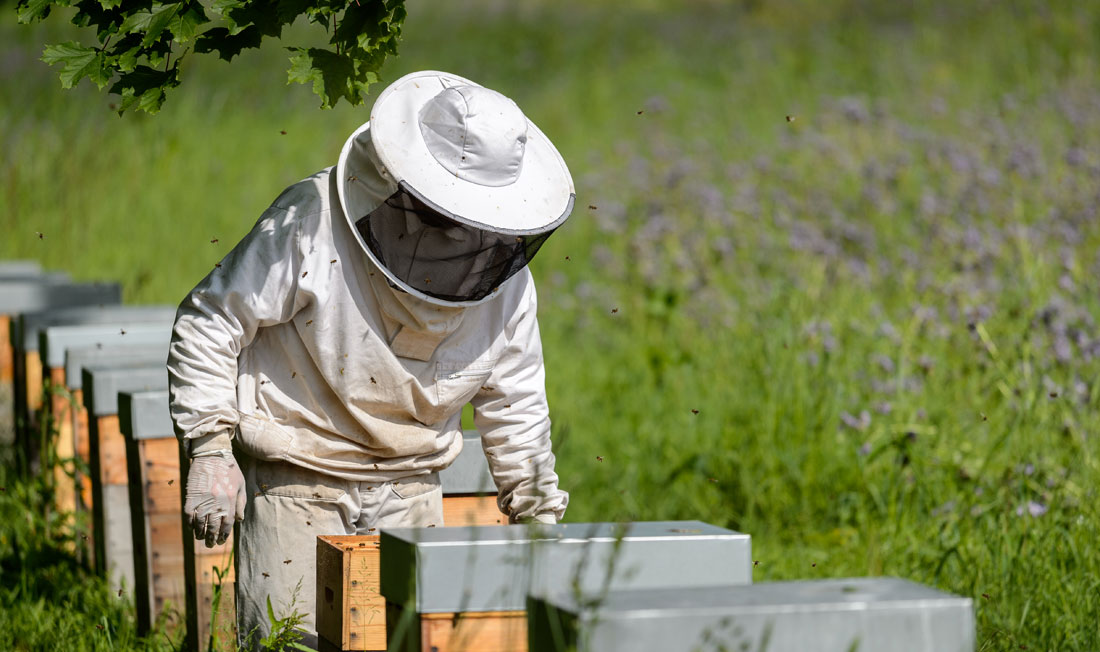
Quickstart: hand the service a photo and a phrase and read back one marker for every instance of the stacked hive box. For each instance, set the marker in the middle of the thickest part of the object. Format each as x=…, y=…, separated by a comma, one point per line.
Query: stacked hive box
x=110, y=494
x=21, y=372
x=170, y=569
x=824, y=615
x=76, y=359
x=449, y=589
x=351, y=613
x=54, y=342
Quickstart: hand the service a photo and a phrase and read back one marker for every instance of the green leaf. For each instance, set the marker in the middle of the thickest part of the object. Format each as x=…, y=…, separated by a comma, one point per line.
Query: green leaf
x=126, y=61
x=145, y=88
x=225, y=44
x=29, y=10
x=271, y=611
x=288, y=10
x=151, y=22
x=222, y=6
x=110, y=4
x=79, y=62
x=333, y=75
x=186, y=23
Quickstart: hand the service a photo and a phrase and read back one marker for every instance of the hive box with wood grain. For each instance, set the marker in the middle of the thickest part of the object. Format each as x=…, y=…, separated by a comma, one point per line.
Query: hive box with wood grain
x=171, y=570
x=466, y=588
x=350, y=609
x=21, y=295
x=54, y=342
x=114, y=550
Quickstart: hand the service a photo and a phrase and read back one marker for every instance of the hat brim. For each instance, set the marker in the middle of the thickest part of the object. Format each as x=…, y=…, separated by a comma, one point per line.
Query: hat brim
x=539, y=200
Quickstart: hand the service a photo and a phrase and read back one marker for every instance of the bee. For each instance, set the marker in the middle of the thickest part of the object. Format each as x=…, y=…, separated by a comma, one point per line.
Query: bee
x=170, y=482
x=1054, y=394
x=84, y=537
x=332, y=262
x=755, y=562
x=293, y=374
x=341, y=371
x=507, y=406
x=641, y=112
x=304, y=273
x=40, y=236
x=567, y=257
x=257, y=493
x=813, y=565
x=213, y=241
x=694, y=411
x=122, y=331
x=373, y=381
x=984, y=418
x=790, y=118
x=263, y=486
x=309, y=522
x=266, y=575
x=309, y=322
x=362, y=544
x=427, y=281
x=99, y=627
x=282, y=132
x=986, y=596
x=287, y=561
x=217, y=264
x=264, y=382
x=316, y=495
x=614, y=310
x=591, y=207
x=120, y=593
x=599, y=458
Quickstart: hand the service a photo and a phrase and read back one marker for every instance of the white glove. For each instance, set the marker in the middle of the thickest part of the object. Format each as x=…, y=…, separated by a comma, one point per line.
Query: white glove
x=215, y=496
x=546, y=518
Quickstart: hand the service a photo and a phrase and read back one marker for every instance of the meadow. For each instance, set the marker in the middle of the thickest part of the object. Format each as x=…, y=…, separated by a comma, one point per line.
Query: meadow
x=833, y=278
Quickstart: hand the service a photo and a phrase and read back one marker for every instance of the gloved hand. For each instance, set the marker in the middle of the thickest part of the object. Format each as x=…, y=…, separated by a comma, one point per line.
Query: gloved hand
x=546, y=518
x=215, y=496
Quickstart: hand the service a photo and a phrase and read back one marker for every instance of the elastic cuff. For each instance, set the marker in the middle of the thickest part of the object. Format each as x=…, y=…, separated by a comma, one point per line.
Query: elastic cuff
x=211, y=444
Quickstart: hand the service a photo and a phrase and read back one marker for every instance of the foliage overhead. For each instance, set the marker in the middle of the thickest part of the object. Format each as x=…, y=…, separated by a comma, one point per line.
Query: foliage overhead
x=141, y=44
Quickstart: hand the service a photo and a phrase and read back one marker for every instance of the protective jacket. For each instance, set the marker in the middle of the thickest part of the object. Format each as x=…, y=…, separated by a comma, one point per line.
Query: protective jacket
x=296, y=347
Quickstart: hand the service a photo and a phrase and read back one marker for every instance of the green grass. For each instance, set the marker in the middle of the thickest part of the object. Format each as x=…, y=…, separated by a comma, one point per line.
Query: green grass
x=919, y=244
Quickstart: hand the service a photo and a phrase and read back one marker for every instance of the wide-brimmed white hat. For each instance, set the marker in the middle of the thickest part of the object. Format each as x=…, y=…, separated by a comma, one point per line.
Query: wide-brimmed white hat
x=471, y=153
x=465, y=152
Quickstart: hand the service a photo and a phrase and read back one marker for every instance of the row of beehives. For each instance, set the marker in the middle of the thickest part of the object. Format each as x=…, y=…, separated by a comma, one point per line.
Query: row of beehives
x=95, y=370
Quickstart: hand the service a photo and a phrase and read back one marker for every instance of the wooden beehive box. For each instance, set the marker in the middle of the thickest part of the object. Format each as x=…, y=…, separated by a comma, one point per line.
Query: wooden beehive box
x=76, y=359
x=351, y=613
x=465, y=589
x=171, y=570
x=56, y=303
x=114, y=551
x=53, y=343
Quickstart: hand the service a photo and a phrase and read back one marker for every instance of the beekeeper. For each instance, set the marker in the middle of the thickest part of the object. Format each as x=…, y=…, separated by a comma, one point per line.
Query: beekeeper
x=318, y=373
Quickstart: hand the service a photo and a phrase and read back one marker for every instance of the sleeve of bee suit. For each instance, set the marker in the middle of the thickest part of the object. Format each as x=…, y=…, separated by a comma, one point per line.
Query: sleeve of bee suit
x=254, y=286
x=514, y=420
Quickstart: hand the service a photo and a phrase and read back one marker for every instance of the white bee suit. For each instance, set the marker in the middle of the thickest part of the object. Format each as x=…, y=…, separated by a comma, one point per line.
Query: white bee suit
x=290, y=348
x=331, y=352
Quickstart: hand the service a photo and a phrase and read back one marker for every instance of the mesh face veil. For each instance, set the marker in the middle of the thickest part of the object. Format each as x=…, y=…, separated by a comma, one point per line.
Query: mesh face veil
x=440, y=255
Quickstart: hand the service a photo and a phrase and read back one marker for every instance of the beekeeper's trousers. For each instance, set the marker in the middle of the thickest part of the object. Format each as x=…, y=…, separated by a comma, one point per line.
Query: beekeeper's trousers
x=288, y=506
